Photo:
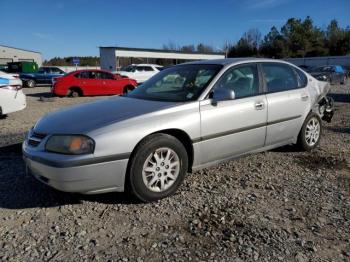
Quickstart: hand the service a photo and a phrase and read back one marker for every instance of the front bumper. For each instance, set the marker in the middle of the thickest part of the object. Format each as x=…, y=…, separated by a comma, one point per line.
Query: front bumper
x=328, y=104
x=76, y=176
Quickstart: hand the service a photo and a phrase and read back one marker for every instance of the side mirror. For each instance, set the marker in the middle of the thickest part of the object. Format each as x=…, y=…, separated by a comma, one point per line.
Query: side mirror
x=223, y=94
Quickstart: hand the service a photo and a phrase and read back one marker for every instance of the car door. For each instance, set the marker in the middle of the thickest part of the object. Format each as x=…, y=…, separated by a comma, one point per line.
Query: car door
x=40, y=76
x=88, y=82
x=149, y=71
x=108, y=83
x=233, y=127
x=140, y=74
x=287, y=102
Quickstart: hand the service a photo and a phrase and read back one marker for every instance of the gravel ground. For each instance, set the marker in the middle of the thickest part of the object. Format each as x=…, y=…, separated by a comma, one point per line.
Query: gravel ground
x=278, y=205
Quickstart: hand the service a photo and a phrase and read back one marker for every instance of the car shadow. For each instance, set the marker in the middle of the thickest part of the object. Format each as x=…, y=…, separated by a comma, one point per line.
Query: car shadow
x=41, y=94
x=287, y=149
x=20, y=191
x=344, y=130
x=342, y=98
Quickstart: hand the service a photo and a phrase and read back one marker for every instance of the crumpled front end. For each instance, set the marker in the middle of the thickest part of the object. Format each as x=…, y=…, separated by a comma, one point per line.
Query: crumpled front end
x=322, y=103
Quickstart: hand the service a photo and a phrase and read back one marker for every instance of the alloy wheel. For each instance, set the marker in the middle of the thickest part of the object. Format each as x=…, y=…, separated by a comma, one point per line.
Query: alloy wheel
x=161, y=169
x=312, y=131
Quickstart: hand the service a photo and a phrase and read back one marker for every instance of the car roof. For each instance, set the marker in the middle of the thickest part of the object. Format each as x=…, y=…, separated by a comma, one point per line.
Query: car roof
x=90, y=70
x=146, y=65
x=230, y=61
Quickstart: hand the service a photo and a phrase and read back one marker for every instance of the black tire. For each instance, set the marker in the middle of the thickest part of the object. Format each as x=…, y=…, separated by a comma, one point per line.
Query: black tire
x=128, y=89
x=342, y=82
x=74, y=92
x=31, y=83
x=142, y=153
x=303, y=142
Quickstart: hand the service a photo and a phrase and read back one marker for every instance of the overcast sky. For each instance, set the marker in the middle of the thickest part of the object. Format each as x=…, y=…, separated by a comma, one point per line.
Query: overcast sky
x=78, y=27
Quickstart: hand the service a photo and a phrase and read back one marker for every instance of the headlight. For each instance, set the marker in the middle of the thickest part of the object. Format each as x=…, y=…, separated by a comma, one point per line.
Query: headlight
x=70, y=145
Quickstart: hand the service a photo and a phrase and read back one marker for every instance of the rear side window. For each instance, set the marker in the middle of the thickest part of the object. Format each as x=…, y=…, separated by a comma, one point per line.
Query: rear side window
x=104, y=75
x=148, y=68
x=279, y=77
x=243, y=80
x=302, y=78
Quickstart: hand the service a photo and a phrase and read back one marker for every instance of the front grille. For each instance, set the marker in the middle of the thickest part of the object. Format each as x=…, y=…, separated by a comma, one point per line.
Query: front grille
x=35, y=139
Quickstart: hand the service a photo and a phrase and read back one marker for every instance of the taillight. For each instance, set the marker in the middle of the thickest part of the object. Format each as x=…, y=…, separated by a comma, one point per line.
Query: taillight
x=55, y=79
x=12, y=87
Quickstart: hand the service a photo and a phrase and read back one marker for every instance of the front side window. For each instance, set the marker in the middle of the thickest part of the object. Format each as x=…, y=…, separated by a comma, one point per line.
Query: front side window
x=243, y=80
x=84, y=75
x=56, y=70
x=130, y=68
x=279, y=77
x=177, y=84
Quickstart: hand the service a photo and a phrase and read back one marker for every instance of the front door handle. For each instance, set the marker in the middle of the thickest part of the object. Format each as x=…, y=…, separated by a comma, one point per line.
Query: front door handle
x=259, y=105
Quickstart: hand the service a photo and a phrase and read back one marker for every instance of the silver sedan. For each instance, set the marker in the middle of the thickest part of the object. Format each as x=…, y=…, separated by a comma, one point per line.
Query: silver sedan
x=184, y=118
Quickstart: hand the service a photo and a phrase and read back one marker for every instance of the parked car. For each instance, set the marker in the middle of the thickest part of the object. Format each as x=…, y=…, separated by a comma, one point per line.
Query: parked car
x=12, y=98
x=141, y=72
x=22, y=67
x=147, y=140
x=15, y=75
x=91, y=83
x=331, y=73
x=43, y=76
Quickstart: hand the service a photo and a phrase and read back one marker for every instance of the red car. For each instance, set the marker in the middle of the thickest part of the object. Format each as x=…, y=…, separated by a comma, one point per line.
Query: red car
x=91, y=83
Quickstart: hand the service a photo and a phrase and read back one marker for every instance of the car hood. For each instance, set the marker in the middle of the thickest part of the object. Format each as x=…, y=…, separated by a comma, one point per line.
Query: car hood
x=84, y=118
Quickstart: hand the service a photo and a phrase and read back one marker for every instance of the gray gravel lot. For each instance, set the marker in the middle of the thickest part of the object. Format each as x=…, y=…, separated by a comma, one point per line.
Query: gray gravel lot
x=278, y=205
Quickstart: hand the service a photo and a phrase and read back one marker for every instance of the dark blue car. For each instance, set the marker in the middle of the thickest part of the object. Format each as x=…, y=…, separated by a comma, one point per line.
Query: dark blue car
x=332, y=73
x=43, y=76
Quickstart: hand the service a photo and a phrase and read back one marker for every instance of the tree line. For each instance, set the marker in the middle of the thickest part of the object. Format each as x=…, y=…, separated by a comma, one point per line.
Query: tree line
x=296, y=38
x=68, y=61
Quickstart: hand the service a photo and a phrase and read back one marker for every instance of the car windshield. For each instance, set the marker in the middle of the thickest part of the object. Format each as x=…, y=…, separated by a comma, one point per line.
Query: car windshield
x=177, y=84
x=129, y=68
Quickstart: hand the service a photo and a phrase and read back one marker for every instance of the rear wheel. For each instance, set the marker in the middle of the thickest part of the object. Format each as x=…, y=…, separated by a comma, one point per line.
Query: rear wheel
x=158, y=167
x=31, y=83
x=128, y=89
x=310, y=133
x=74, y=92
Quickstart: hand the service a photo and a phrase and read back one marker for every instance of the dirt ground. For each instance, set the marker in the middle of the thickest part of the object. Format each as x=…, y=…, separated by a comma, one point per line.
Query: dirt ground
x=281, y=205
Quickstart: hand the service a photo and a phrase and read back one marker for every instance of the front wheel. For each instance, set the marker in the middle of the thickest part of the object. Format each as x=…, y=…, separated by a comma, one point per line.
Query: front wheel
x=310, y=133
x=158, y=167
x=31, y=83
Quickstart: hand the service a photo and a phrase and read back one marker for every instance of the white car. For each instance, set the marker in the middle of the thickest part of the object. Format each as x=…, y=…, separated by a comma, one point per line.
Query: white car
x=140, y=72
x=12, y=97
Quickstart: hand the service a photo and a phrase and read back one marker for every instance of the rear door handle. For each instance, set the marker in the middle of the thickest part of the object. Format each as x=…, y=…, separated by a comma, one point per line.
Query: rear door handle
x=304, y=97
x=259, y=105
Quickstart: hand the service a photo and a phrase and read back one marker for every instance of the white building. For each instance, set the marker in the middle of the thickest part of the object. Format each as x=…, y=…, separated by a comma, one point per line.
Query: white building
x=13, y=54
x=112, y=58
